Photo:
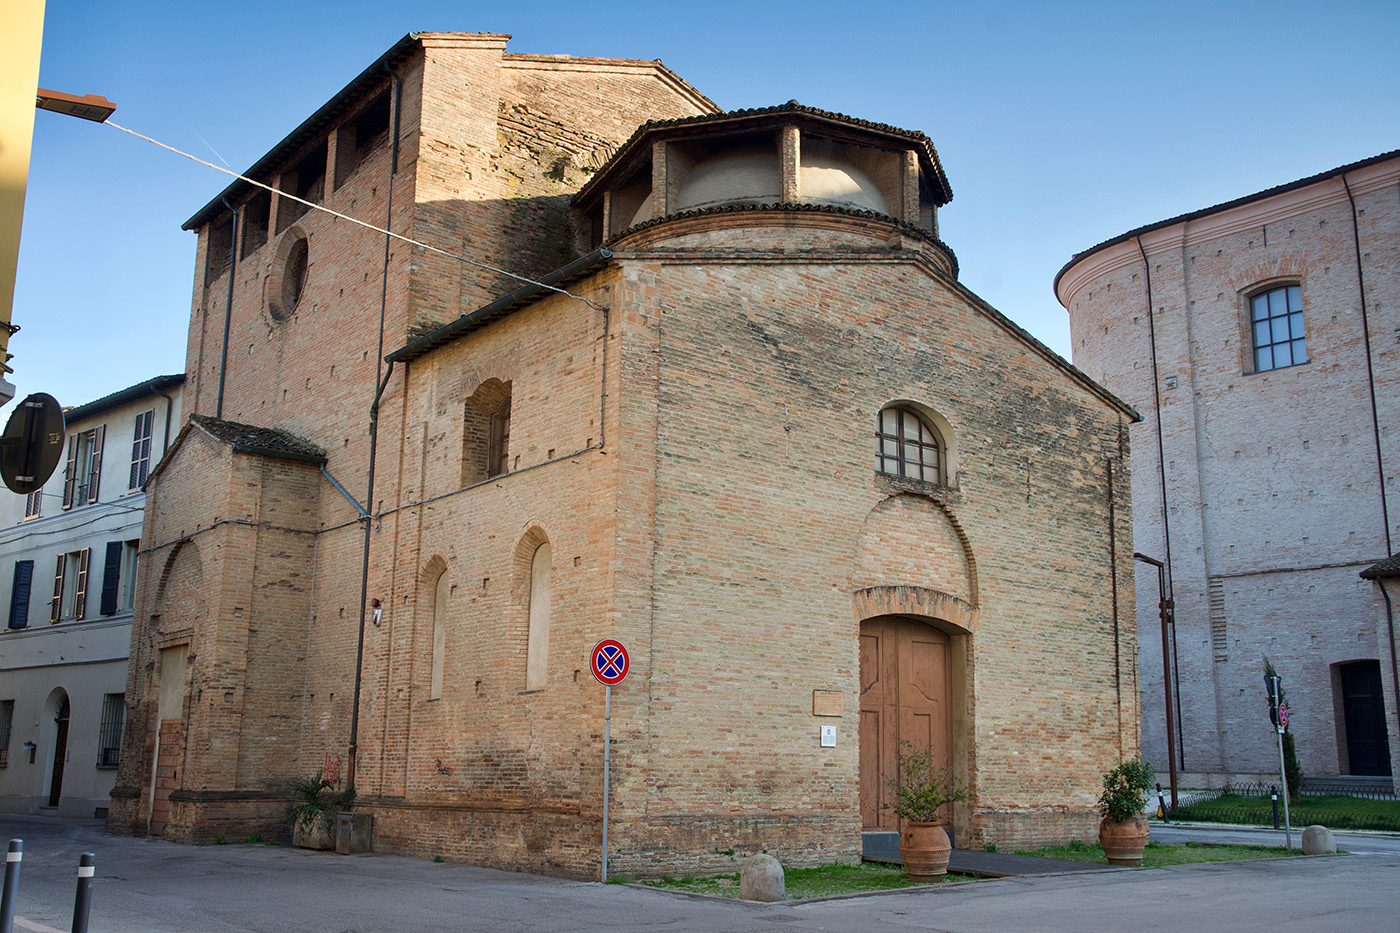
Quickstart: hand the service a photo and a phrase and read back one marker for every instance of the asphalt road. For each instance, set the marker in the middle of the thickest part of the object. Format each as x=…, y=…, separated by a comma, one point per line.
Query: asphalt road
x=152, y=886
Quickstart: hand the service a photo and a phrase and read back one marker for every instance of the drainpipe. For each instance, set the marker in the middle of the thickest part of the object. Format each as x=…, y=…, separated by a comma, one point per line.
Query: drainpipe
x=1162, y=475
x=368, y=519
x=1370, y=373
x=228, y=310
x=1165, y=607
x=1113, y=591
x=382, y=380
x=165, y=441
x=1390, y=627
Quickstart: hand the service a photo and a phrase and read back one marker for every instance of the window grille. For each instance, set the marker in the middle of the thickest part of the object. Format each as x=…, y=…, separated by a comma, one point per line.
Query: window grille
x=1276, y=321
x=113, y=724
x=7, y=715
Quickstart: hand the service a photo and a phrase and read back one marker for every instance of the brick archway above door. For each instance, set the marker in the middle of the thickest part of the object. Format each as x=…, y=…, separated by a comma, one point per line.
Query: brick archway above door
x=953, y=615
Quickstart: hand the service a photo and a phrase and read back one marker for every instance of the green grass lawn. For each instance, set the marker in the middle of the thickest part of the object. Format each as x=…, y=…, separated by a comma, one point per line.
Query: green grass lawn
x=1335, y=811
x=812, y=882
x=878, y=876
x=1159, y=854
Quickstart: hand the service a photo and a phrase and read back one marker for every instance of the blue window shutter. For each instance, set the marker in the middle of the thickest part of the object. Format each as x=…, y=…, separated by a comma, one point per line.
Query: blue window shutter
x=19, y=594
x=111, y=582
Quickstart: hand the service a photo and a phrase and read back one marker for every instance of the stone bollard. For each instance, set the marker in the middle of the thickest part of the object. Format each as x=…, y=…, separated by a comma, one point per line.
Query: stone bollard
x=1317, y=840
x=761, y=879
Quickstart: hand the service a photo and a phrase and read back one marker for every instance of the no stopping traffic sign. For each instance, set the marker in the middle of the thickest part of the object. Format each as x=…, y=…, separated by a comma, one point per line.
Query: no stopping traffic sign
x=609, y=662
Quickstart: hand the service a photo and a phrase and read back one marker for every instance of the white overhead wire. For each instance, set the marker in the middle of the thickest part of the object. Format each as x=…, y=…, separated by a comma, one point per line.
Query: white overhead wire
x=353, y=220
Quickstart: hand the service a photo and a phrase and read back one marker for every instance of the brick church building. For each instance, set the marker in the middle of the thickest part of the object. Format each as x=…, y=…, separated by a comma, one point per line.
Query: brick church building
x=747, y=422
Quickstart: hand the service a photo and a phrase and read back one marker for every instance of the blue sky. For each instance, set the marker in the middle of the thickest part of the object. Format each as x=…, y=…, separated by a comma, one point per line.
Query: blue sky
x=1059, y=125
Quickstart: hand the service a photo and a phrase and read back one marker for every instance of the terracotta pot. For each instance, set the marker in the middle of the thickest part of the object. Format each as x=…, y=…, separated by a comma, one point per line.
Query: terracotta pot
x=925, y=849
x=1123, y=841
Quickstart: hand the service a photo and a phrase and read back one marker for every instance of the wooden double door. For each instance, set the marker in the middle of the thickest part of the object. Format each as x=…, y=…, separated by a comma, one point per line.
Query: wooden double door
x=904, y=697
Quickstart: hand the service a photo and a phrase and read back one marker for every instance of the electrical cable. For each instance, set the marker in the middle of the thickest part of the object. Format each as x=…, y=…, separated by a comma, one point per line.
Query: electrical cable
x=347, y=217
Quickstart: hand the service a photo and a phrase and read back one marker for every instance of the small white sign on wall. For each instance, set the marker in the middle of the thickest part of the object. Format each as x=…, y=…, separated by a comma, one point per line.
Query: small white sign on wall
x=828, y=736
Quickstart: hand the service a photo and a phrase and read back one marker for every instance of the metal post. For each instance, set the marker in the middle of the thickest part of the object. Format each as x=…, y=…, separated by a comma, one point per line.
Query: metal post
x=7, y=901
x=1283, y=774
x=1162, y=806
x=82, y=903
x=607, y=771
x=1165, y=607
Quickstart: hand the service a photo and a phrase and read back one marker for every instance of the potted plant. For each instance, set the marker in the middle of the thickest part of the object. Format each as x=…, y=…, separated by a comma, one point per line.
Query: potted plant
x=1123, y=831
x=313, y=818
x=920, y=789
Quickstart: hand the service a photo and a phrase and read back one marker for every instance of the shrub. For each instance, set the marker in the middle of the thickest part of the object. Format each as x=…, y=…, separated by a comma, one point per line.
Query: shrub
x=1123, y=789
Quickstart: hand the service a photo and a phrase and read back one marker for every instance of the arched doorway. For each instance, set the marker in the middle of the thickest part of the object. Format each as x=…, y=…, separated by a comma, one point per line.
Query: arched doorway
x=905, y=696
x=60, y=750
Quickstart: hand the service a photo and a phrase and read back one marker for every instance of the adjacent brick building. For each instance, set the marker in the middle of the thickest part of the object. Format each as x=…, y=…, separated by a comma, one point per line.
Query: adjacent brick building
x=1265, y=465
x=751, y=425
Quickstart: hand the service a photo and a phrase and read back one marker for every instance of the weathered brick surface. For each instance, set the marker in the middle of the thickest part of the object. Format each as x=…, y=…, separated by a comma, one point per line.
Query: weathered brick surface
x=699, y=458
x=1272, y=485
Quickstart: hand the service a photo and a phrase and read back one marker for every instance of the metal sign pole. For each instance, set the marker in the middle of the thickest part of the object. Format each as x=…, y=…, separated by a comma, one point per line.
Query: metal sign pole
x=1283, y=773
x=607, y=771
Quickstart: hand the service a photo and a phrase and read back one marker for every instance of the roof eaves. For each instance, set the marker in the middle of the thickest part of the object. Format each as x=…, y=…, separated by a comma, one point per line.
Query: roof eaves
x=502, y=306
x=340, y=103
x=267, y=442
x=130, y=394
x=1383, y=570
x=1218, y=208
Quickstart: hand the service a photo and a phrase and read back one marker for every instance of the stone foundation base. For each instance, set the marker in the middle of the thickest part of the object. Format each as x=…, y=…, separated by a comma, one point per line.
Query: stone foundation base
x=1010, y=830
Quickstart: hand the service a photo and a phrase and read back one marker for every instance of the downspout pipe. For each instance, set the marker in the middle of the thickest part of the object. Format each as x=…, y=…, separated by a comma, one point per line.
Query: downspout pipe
x=169, y=404
x=1113, y=593
x=368, y=520
x=1370, y=372
x=1169, y=590
x=382, y=379
x=1390, y=627
x=228, y=311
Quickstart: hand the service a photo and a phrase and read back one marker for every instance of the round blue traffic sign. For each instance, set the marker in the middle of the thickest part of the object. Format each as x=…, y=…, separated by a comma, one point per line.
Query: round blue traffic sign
x=610, y=662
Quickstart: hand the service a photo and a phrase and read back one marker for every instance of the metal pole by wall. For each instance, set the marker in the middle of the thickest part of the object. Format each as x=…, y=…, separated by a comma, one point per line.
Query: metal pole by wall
x=1164, y=613
x=7, y=900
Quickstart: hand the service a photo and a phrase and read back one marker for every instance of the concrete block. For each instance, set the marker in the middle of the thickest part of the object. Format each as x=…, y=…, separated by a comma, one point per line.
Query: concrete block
x=354, y=833
x=761, y=879
x=1317, y=840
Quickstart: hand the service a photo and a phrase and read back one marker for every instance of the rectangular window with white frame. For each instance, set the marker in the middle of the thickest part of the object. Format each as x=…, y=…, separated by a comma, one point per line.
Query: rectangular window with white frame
x=127, y=599
x=84, y=467
x=141, y=450
x=118, y=577
x=33, y=504
x=70, y=583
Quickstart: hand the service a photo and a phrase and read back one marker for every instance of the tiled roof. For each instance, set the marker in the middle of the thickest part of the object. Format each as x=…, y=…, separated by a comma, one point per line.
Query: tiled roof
x=270, y=442
x=1390, y=567
x=130, y=394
